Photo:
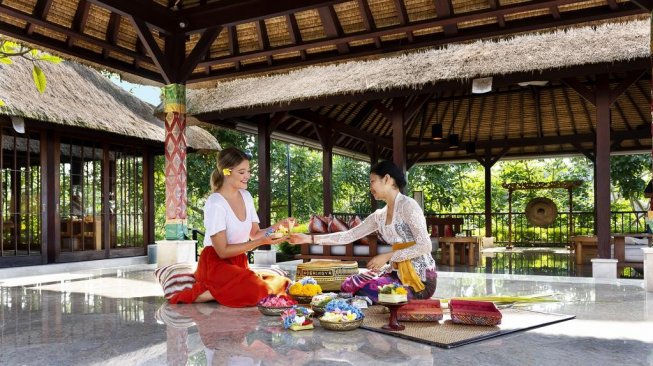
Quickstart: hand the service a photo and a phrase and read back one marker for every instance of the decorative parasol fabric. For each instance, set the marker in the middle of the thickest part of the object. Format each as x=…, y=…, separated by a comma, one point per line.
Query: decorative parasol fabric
x=541, y=212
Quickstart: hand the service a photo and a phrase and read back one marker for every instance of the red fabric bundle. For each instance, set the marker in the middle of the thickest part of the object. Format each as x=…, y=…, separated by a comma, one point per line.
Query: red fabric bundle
x=355, y=221
x=336, y=225
x=317, y=225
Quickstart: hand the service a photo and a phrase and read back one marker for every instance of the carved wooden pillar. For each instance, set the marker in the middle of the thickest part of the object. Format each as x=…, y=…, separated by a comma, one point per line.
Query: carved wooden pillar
x=175, y=161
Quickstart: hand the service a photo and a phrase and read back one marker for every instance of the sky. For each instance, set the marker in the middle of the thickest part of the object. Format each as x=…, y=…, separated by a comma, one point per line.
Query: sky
x=149, y=94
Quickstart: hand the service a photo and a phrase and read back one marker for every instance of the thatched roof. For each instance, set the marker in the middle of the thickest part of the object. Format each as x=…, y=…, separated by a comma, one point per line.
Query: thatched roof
x=78, y=96
x=605, y=43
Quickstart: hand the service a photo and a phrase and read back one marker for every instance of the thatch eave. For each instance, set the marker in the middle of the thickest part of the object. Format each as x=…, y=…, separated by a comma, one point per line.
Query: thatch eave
x=605, y=43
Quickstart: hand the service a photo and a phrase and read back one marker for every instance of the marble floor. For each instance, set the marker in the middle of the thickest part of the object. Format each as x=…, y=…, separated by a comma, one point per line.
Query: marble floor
x=118, y=317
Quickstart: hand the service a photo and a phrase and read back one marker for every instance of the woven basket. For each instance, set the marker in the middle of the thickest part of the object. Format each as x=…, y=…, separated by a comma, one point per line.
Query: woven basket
x=302, y=299
x=341, y=326
x=265, y=310
x=328, y=274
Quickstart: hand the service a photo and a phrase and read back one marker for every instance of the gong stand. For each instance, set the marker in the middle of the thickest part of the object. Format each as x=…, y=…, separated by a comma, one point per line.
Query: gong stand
x=566, y=184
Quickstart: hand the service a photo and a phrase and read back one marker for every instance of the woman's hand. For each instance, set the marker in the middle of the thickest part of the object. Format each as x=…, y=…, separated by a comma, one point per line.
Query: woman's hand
x=268, y=240
x=288, y=223
x=379, y=261
x=299, y=239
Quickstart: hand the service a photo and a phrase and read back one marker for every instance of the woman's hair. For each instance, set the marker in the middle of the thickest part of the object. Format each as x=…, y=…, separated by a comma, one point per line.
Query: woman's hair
x=227, y=159
x=389, y=168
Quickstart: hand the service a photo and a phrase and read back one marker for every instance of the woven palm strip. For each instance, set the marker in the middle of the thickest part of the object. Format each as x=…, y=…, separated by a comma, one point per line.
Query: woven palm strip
x=448, y=334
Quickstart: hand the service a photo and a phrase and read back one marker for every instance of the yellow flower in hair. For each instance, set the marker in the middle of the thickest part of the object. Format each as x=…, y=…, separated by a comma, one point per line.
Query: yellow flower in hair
x=226, y=171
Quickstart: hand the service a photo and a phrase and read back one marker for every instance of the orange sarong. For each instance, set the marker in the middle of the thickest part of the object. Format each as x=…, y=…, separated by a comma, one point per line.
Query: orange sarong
x=230, y=281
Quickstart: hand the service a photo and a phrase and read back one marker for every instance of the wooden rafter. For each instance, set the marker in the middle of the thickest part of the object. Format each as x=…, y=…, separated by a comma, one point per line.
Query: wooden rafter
x=62, y=47
x=263, y=41
x=368, y=20
x=490, y=30
x=157, y=16
x=112, y=32
x=444, y=10
x=80, y=19
x=238, y=12
x=40, y=11
x=153, y=49
x=295, y=35
x=332, y=27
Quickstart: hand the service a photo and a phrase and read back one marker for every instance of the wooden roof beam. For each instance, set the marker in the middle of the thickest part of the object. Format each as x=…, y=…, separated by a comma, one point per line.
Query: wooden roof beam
x=492, y=30
x=295, y=35
x=80, y=19
x=368, y=20
x=640, y=133
x=444, y=9
x=11, y=12
x=40, y=11
x=332, y=27
x=201, y=48
x=644, y=4
x=316, y=118
x=147, y=39
x=233, y=44
x=219, y=13
x=501, y=20
x=402, y=14
x=263, y=40
x=157, y=16
x=112, y=32
x=62, y=47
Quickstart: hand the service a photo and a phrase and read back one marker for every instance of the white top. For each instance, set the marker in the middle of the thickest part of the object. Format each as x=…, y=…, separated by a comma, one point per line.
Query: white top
x=218, y=216
x=408, y=224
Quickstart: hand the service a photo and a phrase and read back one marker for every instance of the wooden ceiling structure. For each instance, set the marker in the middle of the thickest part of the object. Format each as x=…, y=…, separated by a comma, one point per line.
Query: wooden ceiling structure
x=205, y=41
x=189, y=41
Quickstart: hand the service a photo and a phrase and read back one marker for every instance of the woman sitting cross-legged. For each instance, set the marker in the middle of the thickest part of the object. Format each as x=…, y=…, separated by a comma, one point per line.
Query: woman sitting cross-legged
x=402, y=222
x=232, y=229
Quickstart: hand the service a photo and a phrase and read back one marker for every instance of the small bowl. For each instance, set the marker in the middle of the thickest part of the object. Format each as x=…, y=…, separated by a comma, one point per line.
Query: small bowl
x=302, y=299
x=318, y=310
x=265, y=310
x=341, y=326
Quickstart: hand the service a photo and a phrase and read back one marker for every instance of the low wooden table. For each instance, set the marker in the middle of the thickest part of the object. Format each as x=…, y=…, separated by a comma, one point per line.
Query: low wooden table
x=452, y=242
x=578, y=242
x=620, y=249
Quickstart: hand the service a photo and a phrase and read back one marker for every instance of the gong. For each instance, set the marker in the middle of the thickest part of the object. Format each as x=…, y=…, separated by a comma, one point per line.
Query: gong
x=541, y=212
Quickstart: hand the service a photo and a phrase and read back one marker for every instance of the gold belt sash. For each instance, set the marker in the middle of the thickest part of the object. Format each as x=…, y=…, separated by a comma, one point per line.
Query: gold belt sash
x=407, y=273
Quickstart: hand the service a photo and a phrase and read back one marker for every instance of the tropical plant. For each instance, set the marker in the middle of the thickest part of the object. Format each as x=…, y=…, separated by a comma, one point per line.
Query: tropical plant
x=9, y=50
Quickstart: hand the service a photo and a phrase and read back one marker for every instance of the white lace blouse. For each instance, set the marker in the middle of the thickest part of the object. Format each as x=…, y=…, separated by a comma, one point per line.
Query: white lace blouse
x=408, y=224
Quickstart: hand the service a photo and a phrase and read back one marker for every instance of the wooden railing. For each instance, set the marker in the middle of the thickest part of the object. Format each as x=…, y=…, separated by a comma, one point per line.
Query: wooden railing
x=526, y=235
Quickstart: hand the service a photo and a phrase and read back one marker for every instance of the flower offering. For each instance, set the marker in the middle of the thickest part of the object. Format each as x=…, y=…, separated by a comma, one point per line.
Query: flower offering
x=339, y=310
x=297, y=318
x=273, y=301
x=306, y=287
x=393, y=293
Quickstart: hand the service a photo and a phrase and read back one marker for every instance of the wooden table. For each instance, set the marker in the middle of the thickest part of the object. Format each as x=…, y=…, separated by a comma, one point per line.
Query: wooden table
x=461, y=241
x=578, y=242
x=620, y=249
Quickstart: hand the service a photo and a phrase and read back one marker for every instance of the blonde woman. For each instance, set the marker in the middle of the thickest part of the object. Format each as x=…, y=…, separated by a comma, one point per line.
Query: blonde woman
x=231, y=230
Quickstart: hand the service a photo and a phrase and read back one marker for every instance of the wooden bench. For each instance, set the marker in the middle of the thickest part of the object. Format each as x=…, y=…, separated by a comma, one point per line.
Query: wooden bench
x=583, y=245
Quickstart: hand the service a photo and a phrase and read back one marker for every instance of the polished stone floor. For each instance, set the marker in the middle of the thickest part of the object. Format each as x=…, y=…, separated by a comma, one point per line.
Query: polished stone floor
x=118, y=317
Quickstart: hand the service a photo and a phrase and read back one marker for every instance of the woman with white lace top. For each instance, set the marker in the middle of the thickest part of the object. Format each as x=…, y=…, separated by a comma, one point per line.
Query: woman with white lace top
x=400, y=222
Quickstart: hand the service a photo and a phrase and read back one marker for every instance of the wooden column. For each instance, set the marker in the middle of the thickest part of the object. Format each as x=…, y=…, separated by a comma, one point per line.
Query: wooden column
x=603, y=165
x=327, y=172
x=398, y=134
x=148, y=198
x=488, y=199
x=175, y=161
x=372, y=149
x=264, y=192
